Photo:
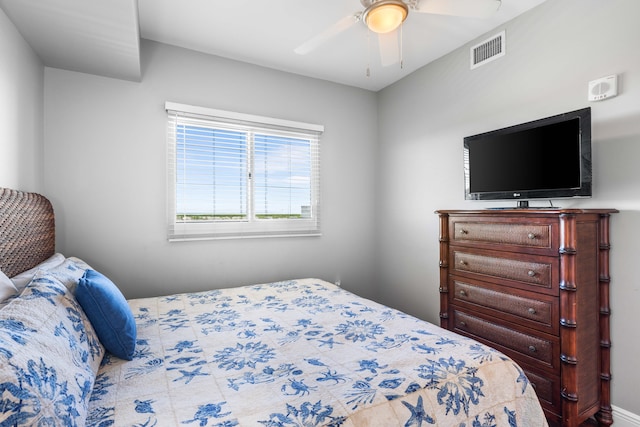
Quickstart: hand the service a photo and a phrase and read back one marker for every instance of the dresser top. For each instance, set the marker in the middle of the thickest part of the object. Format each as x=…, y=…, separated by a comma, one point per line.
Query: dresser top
x=525, y=211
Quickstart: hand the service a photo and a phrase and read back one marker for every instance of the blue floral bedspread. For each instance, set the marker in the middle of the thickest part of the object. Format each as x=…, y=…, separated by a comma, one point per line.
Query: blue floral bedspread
x=303, y=353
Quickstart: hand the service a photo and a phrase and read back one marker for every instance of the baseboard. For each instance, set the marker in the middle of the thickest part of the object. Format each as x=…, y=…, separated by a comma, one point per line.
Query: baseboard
x=623, y=418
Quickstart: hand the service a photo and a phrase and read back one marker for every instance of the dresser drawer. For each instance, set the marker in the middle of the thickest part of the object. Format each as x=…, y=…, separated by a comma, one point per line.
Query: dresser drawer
x=536, y=350
x=527, y=235
x=526, y=308
x=539, y=272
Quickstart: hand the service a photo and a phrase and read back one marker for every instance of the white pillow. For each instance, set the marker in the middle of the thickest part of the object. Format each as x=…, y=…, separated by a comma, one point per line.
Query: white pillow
x=21, y=280
x=7, y=288
x=50, y=357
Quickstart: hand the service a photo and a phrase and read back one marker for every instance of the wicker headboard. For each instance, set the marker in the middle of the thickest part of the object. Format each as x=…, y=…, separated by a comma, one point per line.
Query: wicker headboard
x=27, y=230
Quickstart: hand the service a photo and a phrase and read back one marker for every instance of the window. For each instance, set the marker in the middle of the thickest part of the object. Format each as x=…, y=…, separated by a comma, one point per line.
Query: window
x=233, y=175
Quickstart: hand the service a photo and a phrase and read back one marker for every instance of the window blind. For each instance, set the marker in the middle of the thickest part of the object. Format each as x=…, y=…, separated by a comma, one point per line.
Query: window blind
x=233, y=175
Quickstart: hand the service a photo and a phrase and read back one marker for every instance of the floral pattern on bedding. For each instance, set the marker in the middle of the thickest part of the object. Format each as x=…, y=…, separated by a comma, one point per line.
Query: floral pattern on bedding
x=49, y=357
x=303, y=353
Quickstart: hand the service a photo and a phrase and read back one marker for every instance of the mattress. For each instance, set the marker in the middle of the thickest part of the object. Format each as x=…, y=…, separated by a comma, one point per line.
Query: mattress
x=303, y=353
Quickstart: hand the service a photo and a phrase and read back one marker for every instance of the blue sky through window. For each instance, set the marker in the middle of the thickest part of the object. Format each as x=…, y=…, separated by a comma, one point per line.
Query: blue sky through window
x=212, y=173
x=282, y=175
x=211, y=166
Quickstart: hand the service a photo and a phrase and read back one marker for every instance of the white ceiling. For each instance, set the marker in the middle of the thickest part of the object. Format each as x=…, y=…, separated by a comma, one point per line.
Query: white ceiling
x=95, y=36
x=103, y=36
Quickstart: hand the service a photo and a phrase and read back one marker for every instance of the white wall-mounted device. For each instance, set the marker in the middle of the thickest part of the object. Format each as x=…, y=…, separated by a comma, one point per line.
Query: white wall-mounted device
x=606, y=87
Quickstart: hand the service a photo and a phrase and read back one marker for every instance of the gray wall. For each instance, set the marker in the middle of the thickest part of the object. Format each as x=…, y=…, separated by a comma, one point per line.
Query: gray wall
x=105, y=172
x=21, y=115
x=552, y=54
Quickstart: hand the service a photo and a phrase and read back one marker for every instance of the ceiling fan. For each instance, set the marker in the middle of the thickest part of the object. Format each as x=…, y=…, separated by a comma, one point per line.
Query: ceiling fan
x=385, y=17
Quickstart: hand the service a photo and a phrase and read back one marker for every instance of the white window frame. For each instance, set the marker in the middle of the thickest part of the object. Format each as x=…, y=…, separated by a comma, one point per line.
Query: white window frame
x=253, y=226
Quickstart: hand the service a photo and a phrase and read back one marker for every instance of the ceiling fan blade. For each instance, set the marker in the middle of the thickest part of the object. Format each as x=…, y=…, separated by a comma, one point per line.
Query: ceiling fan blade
x=389, y=45
x=466, y=8
x=340, y=26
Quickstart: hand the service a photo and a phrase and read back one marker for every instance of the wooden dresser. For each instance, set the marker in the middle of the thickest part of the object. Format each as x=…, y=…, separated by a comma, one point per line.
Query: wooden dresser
x=534, y=284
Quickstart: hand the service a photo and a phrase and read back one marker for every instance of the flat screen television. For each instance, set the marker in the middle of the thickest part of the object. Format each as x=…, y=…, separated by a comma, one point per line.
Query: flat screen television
x=549, y=158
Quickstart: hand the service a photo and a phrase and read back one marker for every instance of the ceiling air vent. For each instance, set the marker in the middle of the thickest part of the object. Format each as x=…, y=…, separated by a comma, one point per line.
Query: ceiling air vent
x=488, y=50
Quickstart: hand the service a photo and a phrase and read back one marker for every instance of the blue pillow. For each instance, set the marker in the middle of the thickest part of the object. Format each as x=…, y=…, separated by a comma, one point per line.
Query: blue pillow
x=109, y=313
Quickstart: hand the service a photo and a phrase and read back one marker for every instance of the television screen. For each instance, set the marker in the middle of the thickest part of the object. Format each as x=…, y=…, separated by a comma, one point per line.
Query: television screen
x=547, y=158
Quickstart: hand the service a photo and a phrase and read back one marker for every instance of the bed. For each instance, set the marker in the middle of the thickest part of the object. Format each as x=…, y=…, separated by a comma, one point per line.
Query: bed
x=301, y=352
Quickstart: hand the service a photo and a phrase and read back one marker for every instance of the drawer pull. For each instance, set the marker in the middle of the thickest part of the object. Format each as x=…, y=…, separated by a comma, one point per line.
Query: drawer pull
x=531, y=273
x=463, y=324
x=463, y=262
x=532, y=348
x=463, y=231
x=532, y=310
x=463, y=293
x=531, y=236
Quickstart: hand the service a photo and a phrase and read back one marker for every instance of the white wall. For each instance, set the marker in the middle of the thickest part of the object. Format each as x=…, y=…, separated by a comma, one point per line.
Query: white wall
x=105, y=174
x=552, y=53
x=21, y=114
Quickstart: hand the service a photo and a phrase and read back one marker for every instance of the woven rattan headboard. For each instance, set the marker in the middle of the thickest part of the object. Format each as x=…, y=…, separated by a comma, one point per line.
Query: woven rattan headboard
x=27, y=230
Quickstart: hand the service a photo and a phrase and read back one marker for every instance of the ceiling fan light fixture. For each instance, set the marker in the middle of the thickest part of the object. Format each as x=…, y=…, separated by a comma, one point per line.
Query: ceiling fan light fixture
x=385, y=15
